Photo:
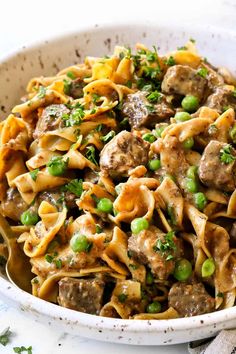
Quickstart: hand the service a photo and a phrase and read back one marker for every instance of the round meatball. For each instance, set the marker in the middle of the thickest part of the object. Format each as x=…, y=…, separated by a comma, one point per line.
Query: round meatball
x=124, y=152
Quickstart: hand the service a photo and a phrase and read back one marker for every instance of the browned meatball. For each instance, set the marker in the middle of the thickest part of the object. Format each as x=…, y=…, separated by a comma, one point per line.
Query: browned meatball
x=141, y=112
x=54, y=196
x=13, y=205
x=50, y=119
x=147, y=248
x=190, y=299
x=83, y=295
x=183, y=80
x=215, y=173
x=124, y=152
x=222, y=98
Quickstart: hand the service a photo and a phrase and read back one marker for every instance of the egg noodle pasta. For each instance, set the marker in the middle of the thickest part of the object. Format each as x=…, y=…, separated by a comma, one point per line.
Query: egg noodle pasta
x=118, y=180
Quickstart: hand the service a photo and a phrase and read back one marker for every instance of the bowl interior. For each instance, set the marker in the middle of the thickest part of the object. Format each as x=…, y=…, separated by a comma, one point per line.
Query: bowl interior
x=47, y=59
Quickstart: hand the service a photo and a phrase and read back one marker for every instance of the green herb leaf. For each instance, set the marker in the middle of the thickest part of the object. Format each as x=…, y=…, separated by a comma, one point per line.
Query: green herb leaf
x=58, y=263
x=169, y=257
x=108, y=137
x=41, y=92
x=21, y=349
x=202, y=72
x=75, y=186
x=75, y=117
x=122, y=297
x=67, y=86
x=99, y=128
x=5, y=336
x=154, y=97
x=34, y=174
x=90, y=154
x=133, y=266
x=226, y=155
x=49, y=258
x=95, y=97
x=170, y=61
x=150, y=108
x=166, y=245
x=192, y=40
x=71, y=75
x=182, y=48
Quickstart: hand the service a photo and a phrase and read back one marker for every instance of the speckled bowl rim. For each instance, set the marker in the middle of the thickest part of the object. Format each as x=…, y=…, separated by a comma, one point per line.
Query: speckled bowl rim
x=40, y=307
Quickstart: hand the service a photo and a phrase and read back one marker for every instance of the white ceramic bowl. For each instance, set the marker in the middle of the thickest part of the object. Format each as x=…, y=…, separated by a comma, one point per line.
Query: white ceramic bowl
x=47, y=58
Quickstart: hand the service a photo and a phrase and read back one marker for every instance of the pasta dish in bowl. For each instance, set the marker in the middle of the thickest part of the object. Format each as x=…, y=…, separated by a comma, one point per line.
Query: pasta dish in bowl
x=118, y=180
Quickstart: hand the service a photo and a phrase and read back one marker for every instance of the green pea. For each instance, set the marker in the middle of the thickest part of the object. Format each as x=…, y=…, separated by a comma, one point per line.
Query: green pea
x=200, y=200
x=208, y=267
x=80, y=243
x=154, y=164
x=105, y=205
x=182, y=116
x=191, y=185
x=190, y=103
x=57, y=166
x=183, y=269
x=149, y=137
x=192, y=172
x=154, y=307
x=138, y=225
x=159, y=130
x=29, y=217
x=149, y=278
x=188, y=143
x=232, y=134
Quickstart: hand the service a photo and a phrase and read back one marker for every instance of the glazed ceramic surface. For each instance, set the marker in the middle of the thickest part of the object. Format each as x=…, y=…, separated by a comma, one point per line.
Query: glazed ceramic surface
x=219, y=46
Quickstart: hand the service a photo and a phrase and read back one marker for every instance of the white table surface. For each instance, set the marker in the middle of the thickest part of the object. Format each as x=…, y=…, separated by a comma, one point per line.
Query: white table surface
x=26, y=21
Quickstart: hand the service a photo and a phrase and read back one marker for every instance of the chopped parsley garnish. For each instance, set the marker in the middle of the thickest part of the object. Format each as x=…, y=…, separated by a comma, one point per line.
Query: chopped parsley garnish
x=226, y=155
x=182, y=48
x=58, y=263
x=5, y=336
x=49, y=258
x=95, y=97
x=75, y=186
x=151, y=72
x=192, y=40
x=71, y=75
x=41, y=92
x=151, y=56
x=169, y=257
x=150, y=108
x=212, y=129
x=133, y=266
x=108, y=137
x=167, y=245
x=90, y=154
x=99, y=128
x=121, y=55
x=124, y=122
x=154, y=97
x=220, y=295
x=122, y=297
x=171, y=213
x=34, y=174
x=22, y=349
x=99, y=229
x=234, y=92
x=75, y=117
x=129, y=84
x=67, y=86
x=202, y=72
x=170, y=61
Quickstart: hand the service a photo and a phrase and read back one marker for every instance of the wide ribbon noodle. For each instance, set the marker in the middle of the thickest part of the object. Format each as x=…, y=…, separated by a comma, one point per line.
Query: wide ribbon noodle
x=118, y=179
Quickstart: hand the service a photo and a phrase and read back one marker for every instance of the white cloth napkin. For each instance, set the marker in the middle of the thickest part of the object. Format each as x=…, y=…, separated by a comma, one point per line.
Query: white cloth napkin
x=223, y=343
